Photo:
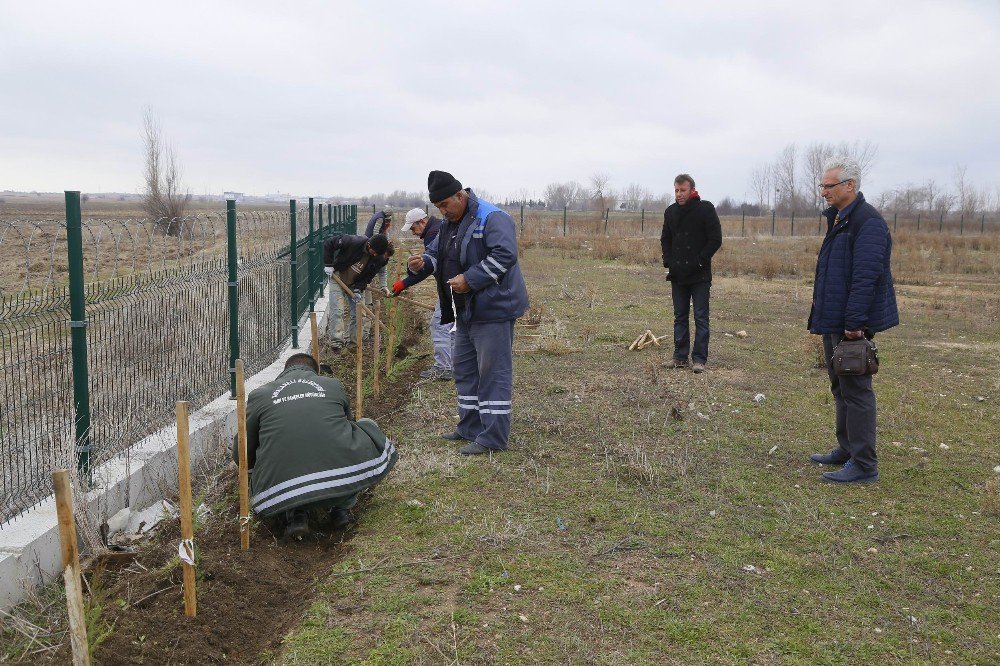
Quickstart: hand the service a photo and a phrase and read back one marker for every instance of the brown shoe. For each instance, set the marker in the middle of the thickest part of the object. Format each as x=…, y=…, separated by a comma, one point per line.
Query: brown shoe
x=698, y=368
x=675, y=363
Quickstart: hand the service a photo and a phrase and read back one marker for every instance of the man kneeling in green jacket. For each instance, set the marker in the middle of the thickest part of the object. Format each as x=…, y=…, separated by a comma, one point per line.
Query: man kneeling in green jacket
x=305, y=450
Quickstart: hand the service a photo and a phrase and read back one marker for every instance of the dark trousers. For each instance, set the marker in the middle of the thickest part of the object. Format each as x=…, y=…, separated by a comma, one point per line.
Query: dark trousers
x=683, y=296
x=483, y=364
x=854, y=398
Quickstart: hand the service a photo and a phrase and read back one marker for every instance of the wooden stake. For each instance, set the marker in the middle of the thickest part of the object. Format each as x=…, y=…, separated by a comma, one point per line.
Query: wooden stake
x=376, y=344
x=358, y=362
x=71, y=567
x=390, y=348
x=350, y=294
x=315, y=336
x=187, y=521
x=241, y=447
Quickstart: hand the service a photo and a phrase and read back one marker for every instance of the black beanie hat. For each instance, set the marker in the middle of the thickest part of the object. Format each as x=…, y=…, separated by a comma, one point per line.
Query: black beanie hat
x=441, y=185
x=379, y=243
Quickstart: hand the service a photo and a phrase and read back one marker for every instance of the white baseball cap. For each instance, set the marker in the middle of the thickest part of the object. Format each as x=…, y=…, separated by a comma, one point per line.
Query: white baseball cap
x=413, y=215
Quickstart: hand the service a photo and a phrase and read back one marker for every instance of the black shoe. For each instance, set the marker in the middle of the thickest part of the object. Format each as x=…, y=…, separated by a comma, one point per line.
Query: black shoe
x=297, y=526
x=851, y=473
x=475, y=449
x=454, y=437
x=341, y=518
x=832, y=458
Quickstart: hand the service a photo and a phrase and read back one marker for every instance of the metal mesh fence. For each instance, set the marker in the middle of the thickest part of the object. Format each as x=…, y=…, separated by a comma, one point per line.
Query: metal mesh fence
x=158, y=317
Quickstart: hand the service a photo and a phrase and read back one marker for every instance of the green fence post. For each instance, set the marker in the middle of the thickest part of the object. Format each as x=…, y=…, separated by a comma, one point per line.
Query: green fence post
x=793, y=222
x=312, y=258
x=78, y=332
x=607, y=214
x=941, y=223
x=564, y=220
x=642, y=221
x=234, y=296
x=743, y=223
x=772, y=221
x=982, y=225
x=961, y=225
x=354, y=218
x=321, y=287
x=293, y=263
x=521, y=232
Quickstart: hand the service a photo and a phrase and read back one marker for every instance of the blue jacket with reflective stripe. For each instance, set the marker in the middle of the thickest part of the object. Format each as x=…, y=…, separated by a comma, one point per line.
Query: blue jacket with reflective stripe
x=853, y=288
x=489, y=263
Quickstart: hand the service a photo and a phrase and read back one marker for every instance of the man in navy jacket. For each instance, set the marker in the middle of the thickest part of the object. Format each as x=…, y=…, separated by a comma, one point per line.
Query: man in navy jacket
x=853, y=296
x=481, y=289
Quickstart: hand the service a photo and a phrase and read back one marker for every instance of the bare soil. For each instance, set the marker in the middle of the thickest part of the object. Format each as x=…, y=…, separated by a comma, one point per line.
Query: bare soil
x=247, y=600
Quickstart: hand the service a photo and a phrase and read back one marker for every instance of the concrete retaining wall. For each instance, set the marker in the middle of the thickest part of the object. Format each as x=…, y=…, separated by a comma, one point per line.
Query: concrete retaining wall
x=29, y=546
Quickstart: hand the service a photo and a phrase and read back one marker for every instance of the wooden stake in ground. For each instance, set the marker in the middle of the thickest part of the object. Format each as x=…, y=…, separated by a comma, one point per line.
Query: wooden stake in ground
x=359, y=355
x=71, y=568
x=315, y=336
x=376, y=342
x=350, y=294
x=241, y=447
x=186, y=550
x=390, y=353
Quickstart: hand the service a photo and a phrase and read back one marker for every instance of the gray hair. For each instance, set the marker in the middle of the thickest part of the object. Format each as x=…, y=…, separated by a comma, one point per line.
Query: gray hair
x=849, y=169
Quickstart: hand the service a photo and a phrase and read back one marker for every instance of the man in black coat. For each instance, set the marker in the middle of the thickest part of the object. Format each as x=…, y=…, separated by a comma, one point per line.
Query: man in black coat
x=691, y=235
x=355, y=260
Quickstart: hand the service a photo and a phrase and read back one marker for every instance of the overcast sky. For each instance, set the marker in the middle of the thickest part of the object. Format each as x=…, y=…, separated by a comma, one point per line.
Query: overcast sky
x=359, y=97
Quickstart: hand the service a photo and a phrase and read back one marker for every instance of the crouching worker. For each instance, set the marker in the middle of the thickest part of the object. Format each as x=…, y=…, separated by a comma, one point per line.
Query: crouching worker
x=305, y=450
x=355, y=260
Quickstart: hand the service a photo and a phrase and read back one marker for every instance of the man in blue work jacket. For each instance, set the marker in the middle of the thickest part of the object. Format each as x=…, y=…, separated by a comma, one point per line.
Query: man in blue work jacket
x=481, y=289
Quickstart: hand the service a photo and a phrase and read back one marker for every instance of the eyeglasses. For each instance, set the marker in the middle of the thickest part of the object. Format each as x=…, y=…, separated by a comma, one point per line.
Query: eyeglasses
x=823, y=187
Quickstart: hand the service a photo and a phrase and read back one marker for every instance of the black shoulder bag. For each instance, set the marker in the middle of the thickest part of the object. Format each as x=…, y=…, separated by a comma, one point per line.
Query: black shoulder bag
x=855, y=357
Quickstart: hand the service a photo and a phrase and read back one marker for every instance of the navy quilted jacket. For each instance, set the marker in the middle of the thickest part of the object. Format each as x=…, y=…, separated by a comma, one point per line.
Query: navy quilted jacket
x=853, y=288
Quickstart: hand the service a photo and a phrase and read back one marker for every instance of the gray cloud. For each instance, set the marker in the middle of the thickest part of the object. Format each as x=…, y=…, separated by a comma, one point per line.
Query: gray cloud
x=362, y=97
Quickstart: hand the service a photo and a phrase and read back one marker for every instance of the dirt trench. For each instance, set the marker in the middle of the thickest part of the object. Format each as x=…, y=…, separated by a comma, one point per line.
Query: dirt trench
x=247, y=600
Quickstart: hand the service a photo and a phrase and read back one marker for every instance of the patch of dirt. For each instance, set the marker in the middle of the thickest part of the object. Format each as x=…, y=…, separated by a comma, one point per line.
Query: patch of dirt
x=247, y=600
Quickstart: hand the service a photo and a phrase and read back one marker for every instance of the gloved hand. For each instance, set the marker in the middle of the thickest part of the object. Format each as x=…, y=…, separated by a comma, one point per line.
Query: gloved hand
x=328, y=270
x=358, y=297
x=398, y=287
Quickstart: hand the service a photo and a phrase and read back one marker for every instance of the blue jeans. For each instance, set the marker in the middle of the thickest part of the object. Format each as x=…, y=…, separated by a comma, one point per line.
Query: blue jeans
x=683, y=296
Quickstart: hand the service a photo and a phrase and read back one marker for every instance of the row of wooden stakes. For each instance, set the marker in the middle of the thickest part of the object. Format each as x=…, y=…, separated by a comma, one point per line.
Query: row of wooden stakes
x=72, y=573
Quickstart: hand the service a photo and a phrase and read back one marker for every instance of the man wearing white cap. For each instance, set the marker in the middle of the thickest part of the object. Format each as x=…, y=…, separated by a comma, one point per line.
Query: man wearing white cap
x=427, y=228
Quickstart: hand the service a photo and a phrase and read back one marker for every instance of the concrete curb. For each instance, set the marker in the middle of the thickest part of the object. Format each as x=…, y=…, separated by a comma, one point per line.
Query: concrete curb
x=29, y=546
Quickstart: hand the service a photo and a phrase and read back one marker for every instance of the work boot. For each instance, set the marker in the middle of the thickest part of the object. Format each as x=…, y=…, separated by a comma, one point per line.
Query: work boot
x=675, y=363
x=454, y=437
x=851, y=473
x=474, y=449
x=835, y=457
x=341, y=518
x=697, y=368
x=297, y=524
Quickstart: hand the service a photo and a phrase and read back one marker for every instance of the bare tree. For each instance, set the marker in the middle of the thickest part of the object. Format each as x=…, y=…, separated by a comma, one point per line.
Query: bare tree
x=786, y=178
x=864, y=154
x=815, y=157
x=560, y=195
x=761, y=184
x=930, y=194
x=634, y=197
x=165, y=198
x=599, y=191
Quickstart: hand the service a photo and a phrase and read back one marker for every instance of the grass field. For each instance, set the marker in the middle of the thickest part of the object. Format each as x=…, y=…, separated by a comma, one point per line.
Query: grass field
x=652, y=516
x=649, y=516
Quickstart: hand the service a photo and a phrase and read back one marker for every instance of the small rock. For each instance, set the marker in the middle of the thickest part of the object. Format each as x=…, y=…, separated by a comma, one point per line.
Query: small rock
x=741, y=334
x=772, y=449
x=517, y=588
x=944, y=446
x=873, y=550
x=878, y=630
x=523, y=618
x=996, y=470
x=759, y=398
x=414, y=502
x=712, y=513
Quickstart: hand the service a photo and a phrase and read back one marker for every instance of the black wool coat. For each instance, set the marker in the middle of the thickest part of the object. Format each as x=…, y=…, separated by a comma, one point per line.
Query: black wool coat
x=691, y=235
